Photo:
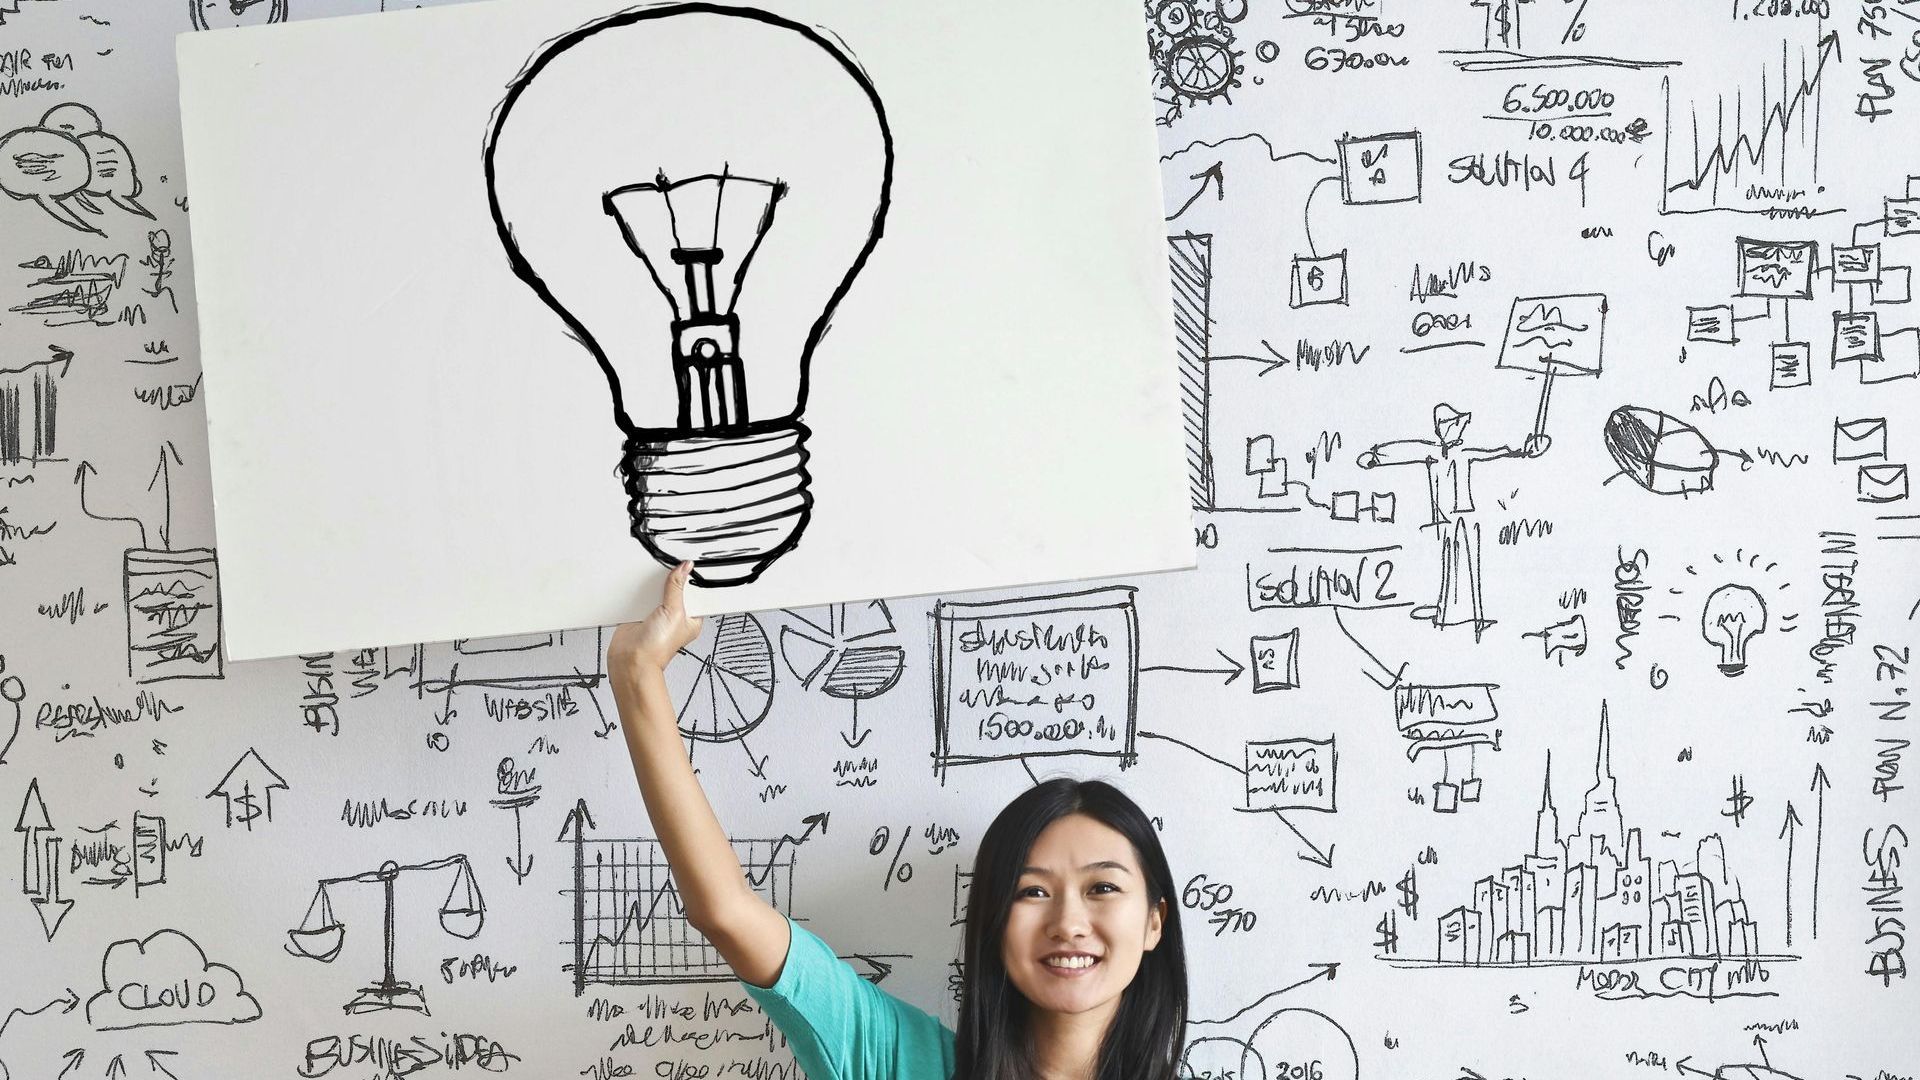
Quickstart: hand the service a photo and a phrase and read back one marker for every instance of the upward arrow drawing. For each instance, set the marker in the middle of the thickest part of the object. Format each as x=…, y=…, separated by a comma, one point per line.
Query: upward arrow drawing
x=33, y=821
x=249, y=777
x=1819, y=789
x=1787, y=829
x=1209, y=175
x=40, y=861
x=163, y=476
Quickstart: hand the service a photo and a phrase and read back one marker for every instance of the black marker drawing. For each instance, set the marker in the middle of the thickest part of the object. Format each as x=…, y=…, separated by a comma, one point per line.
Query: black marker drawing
x=223, y=14
x=645, y=252
x=1661, y=453
x=1567, y=637
x=1449, y=466
x=525, y=676
x=73, y=290
x=1765, y=153
x=63, y=160
x=821, y=653
x=629, y=926
x=67, y=1002
x=723, y=684
x=1764, y=1069
x=1191, y=43
x=172, y=597
x=999, y=666
x=1735, y=612
x=1273, y=1042
x=321, y=935
x=12, y=693
x=1554, y=336
x=29, y=406
x=1732, y=616
x=1511, y=39
x=112, y=859
x=248, y=787
x=1446, y=719
x=531, y=677
x=517, y=791
x=164, y=979
x=40, y=861
x=159, y=263
x=1594, y=897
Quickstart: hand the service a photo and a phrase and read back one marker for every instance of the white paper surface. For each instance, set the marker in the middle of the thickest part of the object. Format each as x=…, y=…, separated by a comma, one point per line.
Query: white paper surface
x=1005, y=345
x=1285, y=715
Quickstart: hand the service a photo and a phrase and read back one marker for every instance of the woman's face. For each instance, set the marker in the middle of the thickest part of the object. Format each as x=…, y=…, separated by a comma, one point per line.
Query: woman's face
x=1081, y=892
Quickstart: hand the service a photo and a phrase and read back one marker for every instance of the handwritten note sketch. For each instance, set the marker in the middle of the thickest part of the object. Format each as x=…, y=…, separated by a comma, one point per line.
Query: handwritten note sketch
x=1541, y=705
x=699, y=253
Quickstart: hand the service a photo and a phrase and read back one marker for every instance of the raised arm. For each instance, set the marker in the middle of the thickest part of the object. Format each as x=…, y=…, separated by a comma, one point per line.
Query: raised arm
x=1399, y=452
x=749, y=933
x=1534, y=446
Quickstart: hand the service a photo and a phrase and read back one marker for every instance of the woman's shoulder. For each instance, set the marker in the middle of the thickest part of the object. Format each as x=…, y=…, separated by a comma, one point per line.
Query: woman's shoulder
x=847, y=1013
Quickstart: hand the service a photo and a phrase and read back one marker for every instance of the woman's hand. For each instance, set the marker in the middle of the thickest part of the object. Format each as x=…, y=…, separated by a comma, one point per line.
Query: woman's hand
x=650, y=644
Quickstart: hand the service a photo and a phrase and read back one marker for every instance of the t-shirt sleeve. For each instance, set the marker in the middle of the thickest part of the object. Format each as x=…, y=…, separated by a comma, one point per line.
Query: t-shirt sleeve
x=840, y=1026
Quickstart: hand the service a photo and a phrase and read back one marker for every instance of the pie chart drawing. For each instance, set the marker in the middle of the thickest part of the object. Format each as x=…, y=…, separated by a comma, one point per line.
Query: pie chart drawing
x=722, y=684
x=840, y=670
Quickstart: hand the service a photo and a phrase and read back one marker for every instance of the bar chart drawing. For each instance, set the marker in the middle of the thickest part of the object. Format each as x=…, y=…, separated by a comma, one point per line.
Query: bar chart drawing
x=1751, y=154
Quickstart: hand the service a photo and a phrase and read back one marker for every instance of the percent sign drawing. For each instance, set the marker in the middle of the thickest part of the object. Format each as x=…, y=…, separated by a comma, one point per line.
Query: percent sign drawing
x=897, y=870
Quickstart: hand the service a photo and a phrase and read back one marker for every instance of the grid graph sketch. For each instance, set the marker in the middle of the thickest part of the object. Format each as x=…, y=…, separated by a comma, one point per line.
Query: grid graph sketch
x=629, y=925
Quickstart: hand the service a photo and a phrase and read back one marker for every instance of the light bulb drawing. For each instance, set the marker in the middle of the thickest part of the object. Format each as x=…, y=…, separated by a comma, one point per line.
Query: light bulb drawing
x=1731, y=618
x=321, y=935
x=693, y=189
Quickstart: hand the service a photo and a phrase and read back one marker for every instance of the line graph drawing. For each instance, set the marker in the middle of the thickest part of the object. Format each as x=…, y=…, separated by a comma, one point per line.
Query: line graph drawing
x=1751, y=157
x=629, y=926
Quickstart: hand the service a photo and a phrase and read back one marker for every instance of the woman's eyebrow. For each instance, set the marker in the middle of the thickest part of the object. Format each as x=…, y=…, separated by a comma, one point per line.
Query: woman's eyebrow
x=1105, y=864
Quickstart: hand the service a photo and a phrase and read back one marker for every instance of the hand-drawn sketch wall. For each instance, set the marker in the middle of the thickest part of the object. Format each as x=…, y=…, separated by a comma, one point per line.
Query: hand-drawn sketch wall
x=1551, y=380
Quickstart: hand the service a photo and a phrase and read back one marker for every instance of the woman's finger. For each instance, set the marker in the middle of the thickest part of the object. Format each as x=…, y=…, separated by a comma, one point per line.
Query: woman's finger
x=675, y=598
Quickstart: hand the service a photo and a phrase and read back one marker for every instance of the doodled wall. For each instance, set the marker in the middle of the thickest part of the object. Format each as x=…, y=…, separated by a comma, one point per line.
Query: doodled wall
x=1540, y=706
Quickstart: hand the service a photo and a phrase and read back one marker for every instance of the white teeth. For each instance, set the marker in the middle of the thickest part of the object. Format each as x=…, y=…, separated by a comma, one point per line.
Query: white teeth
x=1075, y=962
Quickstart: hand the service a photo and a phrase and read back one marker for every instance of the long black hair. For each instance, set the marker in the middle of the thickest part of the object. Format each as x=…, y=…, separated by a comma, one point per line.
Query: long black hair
x=994, y=1040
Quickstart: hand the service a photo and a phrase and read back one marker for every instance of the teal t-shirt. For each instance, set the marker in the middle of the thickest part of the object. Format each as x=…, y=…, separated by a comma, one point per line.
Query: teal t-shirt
x=842, y=1027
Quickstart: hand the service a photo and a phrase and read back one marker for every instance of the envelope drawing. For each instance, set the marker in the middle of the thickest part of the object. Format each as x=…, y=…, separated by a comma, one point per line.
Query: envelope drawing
x=1883, y=483
x=1859, y=440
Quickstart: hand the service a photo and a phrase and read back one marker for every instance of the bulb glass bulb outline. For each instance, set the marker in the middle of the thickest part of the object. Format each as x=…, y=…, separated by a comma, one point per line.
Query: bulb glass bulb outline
x=1731, y=618
x=633, y=172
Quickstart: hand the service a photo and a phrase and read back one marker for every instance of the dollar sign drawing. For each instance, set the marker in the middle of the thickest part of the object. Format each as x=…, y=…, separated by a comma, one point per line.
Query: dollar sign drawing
x=1389, y=934
x=249, y=808
x=1738, y=802
x=1409, y=896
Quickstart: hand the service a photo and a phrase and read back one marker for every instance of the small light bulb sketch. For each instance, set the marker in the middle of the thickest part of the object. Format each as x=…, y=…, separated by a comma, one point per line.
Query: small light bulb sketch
x=1732, y=617
x=693, y=190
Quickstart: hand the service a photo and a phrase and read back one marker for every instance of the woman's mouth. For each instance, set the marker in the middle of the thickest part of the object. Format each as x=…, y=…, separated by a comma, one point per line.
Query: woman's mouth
x=1071, y=968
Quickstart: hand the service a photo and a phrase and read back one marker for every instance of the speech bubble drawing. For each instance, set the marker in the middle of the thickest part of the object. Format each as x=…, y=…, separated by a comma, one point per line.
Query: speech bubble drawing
x=113, y=173
x=46, y=166
x=72, y=118
x=66, y=159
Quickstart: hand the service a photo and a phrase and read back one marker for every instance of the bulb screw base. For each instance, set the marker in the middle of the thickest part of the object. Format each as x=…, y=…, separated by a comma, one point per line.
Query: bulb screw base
x=732, y=503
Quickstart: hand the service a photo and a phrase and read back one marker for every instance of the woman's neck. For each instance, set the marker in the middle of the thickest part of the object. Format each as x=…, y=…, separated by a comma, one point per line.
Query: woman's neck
x=1067, y=1045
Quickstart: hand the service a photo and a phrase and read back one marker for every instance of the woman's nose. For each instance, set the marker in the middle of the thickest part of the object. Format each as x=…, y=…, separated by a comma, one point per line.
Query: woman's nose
x=1068, y=918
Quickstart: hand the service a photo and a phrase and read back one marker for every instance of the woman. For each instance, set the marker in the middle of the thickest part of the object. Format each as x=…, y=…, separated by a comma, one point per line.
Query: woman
x=1076, y=968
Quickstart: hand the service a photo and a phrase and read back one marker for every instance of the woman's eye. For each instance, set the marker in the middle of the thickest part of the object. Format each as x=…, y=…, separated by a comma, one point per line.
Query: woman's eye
x=1107, y=885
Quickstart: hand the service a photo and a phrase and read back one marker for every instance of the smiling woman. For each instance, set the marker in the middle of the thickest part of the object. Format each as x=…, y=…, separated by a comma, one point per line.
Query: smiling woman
x=1076, y=967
